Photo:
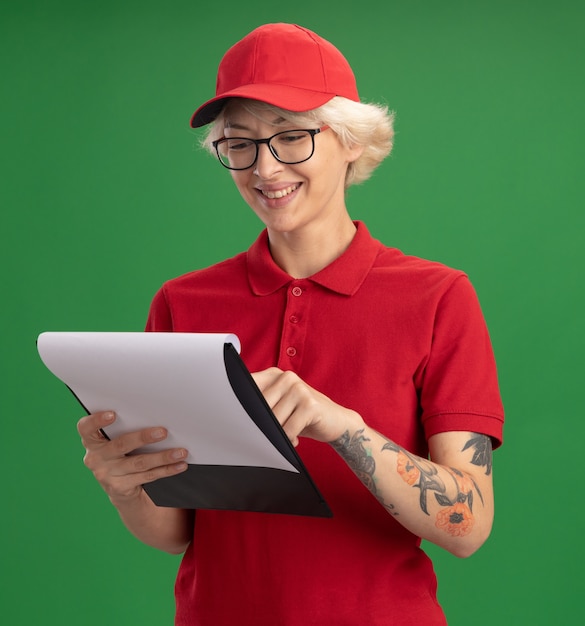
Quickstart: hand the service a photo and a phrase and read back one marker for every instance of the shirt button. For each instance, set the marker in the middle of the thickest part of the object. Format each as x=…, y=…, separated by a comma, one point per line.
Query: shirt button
x=293, y=319
x=297, y=291
x=291, y=351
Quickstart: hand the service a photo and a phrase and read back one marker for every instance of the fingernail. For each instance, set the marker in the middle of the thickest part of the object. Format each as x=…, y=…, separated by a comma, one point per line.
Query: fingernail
x=178, y=454
x=157, y=433
x=109, y=416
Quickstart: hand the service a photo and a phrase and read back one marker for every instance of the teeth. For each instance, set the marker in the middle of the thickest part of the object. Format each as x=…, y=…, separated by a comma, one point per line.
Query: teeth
x=280, y=193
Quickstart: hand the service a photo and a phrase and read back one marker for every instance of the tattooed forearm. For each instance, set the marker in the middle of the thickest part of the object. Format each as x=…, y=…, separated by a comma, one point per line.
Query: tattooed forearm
x=359, y=458
x=482, y=452
x=418, y=473
x=456, y=515
x=352, y=449
x=453, y=490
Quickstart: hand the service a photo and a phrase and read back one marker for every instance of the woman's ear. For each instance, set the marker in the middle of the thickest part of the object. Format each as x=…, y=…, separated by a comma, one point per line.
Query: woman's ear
x=354, y=153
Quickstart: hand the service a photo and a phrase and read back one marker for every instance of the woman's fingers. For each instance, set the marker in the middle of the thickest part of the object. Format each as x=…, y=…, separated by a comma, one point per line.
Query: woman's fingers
x=120, y=473
x=125, y=478
x=90, y=426
x=302, y=410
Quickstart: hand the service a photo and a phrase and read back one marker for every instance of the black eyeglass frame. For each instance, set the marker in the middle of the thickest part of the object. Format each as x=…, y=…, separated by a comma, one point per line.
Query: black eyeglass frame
x=257, y=142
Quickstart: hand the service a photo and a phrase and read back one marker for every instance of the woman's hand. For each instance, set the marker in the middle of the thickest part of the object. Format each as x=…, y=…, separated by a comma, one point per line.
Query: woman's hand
x=122, y=475
x=431, y=498
x=301, y=410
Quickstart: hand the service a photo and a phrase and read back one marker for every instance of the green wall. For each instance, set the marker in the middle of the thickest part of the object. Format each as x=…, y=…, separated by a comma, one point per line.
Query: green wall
x=105, y=194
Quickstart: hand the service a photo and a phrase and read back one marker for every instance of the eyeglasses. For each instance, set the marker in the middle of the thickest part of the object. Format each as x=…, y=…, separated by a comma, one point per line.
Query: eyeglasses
x=289, y=147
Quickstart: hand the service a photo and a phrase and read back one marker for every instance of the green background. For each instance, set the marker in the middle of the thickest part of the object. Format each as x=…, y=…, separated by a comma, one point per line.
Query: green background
x=105, y=194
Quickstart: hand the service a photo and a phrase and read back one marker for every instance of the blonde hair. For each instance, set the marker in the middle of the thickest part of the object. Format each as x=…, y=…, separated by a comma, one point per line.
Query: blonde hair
x=355, y=124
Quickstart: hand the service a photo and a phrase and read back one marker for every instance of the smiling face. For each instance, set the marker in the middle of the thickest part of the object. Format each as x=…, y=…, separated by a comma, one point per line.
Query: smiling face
x=301, y=198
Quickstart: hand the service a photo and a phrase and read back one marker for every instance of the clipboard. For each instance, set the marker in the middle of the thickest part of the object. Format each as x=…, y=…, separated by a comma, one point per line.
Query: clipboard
x=198, y=387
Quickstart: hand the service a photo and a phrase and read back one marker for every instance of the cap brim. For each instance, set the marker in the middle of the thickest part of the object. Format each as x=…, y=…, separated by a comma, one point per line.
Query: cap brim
x=284, y=97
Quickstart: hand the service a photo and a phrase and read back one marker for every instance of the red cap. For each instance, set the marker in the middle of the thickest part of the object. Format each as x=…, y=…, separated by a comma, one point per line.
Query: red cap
x=284, y=65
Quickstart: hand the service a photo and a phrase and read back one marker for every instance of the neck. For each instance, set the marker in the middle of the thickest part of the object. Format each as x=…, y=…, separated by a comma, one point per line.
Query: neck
x=302, y=254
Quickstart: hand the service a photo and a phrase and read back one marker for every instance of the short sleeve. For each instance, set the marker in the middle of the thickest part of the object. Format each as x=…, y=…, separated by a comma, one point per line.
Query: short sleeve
x=460, y=385
x=159, y=316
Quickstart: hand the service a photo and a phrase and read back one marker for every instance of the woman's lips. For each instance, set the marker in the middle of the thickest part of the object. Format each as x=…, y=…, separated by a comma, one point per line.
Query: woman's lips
x=273, y=194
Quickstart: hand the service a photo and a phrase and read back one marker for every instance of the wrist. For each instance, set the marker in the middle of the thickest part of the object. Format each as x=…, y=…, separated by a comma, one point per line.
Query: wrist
x=354, y=423
x=132, y=500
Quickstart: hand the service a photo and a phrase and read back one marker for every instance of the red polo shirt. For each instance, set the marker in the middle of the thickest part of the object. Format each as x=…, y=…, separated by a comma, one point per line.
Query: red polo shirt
x=400, y=340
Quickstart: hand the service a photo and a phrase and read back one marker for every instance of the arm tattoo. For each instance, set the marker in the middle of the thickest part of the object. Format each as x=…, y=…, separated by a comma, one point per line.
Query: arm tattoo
x=456, y=514
x=482, y=452
x=418, y=473
x=360, y=460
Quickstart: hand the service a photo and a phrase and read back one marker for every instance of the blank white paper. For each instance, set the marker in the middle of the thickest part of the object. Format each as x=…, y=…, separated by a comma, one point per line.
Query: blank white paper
x=175, y=380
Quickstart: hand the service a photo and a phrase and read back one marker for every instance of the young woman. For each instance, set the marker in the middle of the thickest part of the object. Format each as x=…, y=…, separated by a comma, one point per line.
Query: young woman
x=377, y=364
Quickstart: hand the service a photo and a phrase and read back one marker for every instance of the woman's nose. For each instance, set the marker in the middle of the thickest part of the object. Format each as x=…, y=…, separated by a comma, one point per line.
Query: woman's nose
x=267, y=165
